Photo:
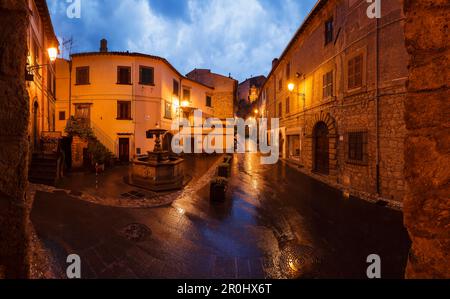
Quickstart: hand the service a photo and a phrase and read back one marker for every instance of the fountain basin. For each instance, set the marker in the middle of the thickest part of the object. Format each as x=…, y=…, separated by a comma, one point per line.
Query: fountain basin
x=156, y=175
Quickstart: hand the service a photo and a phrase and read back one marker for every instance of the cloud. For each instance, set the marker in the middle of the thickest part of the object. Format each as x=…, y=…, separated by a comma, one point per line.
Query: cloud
x=238, y=36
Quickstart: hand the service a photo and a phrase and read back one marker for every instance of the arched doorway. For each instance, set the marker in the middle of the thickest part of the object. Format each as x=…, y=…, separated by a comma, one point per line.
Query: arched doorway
x=34, y=124
x=321, y=148
x=167, y=142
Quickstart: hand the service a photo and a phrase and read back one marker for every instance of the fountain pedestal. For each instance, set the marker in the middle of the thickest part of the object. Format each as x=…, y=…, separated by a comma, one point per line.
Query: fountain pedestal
x=157, y=172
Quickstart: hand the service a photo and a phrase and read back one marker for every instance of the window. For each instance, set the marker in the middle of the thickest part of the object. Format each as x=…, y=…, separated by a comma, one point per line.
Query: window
x=82, y=111
x=288, y=105
x=82, y=75
x=176, y=88
x=280, y=85
x=328, y=85
x=138, y=151
x=355, y=66
x=123, y=75
x=124, y=110
x=328, y=31
x=186, y=94
x=146, y=75
x=357, y=147
x=208, y=101
x=62, y=115
x=288, y=71
x=280, y=109
x=168, y=110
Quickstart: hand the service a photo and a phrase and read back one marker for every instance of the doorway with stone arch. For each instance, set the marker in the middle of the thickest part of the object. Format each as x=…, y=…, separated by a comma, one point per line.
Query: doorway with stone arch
x=321, y=149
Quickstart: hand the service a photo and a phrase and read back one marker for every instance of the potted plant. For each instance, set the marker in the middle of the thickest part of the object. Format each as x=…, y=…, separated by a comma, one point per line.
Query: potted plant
x=224, y=170
x=218, y=189
x=100, y=155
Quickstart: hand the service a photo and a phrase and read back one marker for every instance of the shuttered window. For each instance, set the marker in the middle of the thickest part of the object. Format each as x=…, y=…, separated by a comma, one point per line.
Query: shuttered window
x=123, y=75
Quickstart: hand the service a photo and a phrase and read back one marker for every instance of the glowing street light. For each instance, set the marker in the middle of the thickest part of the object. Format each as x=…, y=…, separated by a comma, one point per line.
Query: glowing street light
x=291, y=86
x=52, y=54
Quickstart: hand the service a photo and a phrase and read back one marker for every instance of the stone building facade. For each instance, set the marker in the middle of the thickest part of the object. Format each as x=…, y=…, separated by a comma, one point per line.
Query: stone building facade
x=339, y=89
x=224, y=95
x=41, y=84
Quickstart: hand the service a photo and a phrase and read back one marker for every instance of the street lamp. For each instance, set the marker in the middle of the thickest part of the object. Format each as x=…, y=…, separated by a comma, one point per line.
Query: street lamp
x=291, y=87
x=52, y=55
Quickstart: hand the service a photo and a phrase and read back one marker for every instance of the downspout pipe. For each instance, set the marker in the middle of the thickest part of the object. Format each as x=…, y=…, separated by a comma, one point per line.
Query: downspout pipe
x=377, y=102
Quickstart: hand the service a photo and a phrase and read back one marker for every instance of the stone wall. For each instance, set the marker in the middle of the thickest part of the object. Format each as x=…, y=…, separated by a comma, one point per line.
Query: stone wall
x=14, y=143
x=427, y=145
x=78, y=146
x=224, y=94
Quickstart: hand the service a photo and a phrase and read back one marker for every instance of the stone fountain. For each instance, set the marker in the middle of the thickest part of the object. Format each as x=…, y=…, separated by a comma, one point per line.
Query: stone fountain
x=157, y=171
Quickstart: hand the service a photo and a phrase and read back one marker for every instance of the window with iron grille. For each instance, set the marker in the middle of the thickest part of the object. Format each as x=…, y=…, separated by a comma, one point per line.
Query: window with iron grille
x=146, y=75
x=328, y=85
x=355, y=71
x=124, y=110
x=328, y=31
x=288, y=105
x=82, y=75
x=168, y=110
x=357, y=147
x=124, y=75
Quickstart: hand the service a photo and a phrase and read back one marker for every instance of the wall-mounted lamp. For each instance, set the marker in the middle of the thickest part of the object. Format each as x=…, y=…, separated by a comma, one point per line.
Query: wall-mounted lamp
x=52, y=55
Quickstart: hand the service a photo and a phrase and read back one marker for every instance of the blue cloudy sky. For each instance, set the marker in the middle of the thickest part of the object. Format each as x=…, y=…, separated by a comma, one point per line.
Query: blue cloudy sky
x=240, y=37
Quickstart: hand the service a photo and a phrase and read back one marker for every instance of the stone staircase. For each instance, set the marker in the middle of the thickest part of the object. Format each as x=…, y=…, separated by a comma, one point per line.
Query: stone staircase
x=44, y=169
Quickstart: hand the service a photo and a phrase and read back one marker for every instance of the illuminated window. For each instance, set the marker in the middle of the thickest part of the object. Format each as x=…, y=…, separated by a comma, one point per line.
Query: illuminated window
x=328, y=85
x=168, y=110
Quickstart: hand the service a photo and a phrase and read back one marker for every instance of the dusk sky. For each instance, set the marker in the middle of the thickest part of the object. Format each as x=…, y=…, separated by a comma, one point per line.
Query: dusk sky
x=240, y=37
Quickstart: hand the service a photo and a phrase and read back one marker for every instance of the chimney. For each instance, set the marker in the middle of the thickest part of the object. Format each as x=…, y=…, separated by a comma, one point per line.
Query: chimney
x=103, y=45
x=274, y=62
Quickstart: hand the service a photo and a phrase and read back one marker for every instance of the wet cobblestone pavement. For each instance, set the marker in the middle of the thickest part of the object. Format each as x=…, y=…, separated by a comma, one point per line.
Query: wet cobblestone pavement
x=276, y=223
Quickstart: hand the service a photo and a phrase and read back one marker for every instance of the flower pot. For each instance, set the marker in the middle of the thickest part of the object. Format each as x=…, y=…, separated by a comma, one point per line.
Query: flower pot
x=224, y=170
x=217, y=192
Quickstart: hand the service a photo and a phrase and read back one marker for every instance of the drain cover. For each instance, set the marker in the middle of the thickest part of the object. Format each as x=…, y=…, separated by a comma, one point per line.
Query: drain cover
x=136, y=232
x=298, y=260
